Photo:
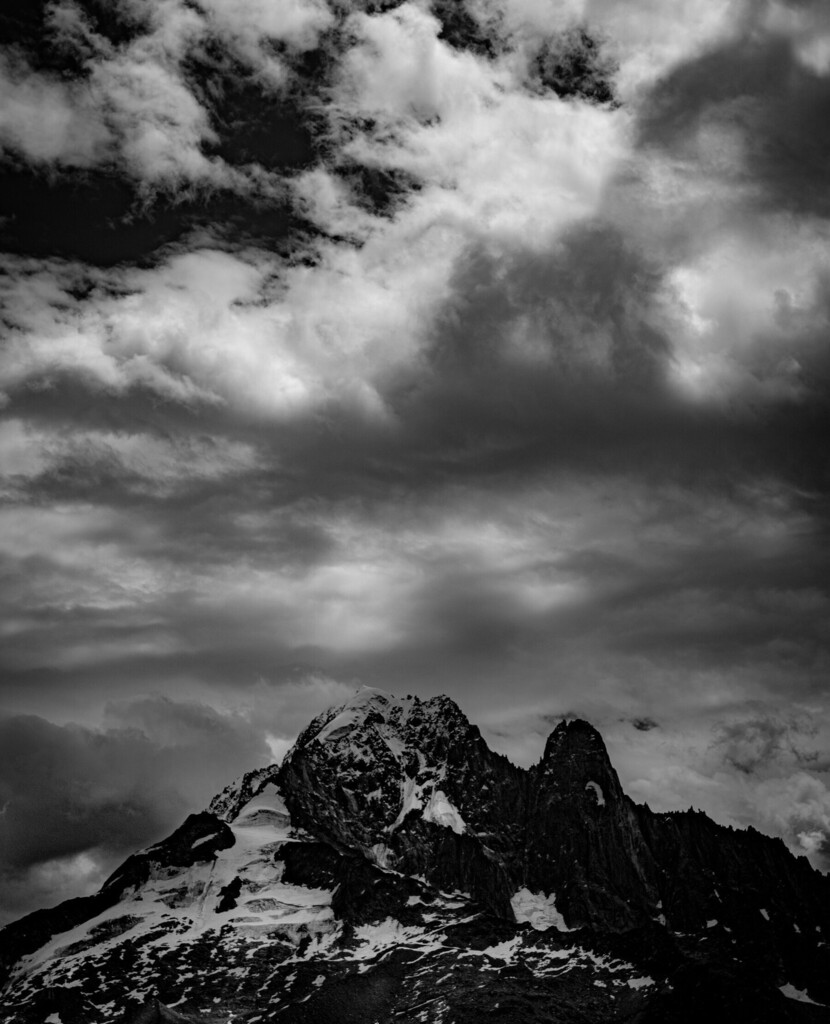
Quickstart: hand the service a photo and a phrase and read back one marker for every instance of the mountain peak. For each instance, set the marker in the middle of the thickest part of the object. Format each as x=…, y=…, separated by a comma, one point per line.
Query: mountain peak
x=397, y=719
x=364, y=767
x=576, y=757
x=392, y=836
x=574, y=737
x=575, y=730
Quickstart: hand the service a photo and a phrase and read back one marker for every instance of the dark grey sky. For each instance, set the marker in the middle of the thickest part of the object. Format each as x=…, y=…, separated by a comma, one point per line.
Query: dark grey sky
x=347, y=343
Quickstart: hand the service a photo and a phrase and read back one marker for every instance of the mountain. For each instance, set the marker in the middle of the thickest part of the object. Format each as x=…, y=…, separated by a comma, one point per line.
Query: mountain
x=394, y=868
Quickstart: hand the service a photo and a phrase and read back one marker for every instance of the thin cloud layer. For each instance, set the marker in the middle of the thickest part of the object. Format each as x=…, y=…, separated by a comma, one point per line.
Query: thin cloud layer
x=474, y=348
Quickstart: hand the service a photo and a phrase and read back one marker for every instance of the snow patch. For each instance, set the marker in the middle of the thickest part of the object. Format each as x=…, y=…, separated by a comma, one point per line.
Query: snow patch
x=712, y=923
x=538, y=910
x=800, y=995
x=504, y=950
x=640, y=982
x=411, y=800
x=375, y=938
x=204, y=839
x=596, y=789
x=393, y=741
x=440, y=811
x=339, y=725
x=354, y=712
x=764, y=914
x=382, y=855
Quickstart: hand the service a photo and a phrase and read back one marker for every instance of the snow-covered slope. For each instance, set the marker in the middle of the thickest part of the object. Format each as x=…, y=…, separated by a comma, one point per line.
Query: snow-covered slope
x=240, y=937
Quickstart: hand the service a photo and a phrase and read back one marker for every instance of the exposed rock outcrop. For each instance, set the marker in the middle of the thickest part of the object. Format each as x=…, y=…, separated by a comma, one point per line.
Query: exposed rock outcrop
x=413, y=786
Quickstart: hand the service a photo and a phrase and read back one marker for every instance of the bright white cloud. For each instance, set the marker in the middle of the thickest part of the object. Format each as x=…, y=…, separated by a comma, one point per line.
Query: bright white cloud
x=49, y=120
x=750, y=303
x=249, y=25
x=159, y=124
x=499, y=165
x=498, y=161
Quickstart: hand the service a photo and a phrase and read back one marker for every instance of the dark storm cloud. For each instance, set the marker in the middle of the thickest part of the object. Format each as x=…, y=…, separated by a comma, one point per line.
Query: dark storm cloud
x=674, y=612
x=68, y=791
x=593, y=394
x=590, y=397
x=644, y=724
x=757, y=87
x=594, y=390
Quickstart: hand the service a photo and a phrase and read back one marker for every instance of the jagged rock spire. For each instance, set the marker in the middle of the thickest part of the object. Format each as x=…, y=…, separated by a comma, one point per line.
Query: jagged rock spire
x=576, y=761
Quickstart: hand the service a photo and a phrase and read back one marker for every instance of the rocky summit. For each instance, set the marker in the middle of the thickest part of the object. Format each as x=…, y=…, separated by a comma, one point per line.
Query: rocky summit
x=395, y=869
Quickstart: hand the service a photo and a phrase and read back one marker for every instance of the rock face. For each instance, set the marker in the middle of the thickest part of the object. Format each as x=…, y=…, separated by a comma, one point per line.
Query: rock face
x=413, y=786
x=395, y=867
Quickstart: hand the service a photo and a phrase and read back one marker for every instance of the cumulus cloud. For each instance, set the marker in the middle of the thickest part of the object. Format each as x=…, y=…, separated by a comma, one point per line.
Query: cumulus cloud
x=134, y=104
x=797, y=808
x=47, y=119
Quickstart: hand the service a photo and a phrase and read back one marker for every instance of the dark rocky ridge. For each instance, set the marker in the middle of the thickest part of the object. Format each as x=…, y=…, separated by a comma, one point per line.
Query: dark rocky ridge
x=564, y=825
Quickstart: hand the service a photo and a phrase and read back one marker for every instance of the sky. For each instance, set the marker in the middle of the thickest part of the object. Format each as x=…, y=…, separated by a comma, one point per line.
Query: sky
x=474, y=347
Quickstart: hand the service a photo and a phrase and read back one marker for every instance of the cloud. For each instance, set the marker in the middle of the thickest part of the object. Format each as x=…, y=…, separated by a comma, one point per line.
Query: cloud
x=36, y=459
x=757, y=743
x=79, y=799
x=251, y=27
x=47, y=119
x=797, y=808
x=762, y=96
x=754, y=764
x=134, y=104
